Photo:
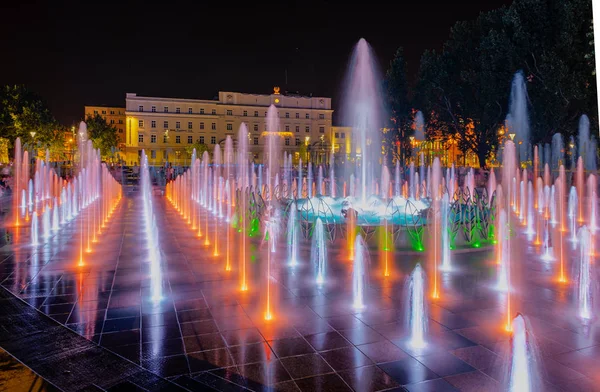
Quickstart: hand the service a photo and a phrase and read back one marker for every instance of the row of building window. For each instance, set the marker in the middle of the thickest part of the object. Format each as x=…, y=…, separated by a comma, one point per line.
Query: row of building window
x=340, y=135
x=229, y=112
x=213, y=126
x=190, y=139
x=213, y=139
x=112, y=112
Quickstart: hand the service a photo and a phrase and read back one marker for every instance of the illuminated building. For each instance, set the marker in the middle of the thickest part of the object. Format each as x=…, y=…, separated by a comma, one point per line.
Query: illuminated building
x=168, y=128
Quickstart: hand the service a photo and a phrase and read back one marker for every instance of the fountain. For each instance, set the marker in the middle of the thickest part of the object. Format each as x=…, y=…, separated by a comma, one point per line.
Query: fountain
x=363, y=110
x=445, y=241
x=523, y=375
x=518, y=118
x=416, y=315
x=359, y=273
x=585, y=285
x=319, y=252
x=293, y=235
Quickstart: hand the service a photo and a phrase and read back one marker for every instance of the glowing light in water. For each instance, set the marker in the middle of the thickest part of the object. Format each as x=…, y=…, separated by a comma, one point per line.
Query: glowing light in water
x=319, y=252
x=359, y=273
x=416, y=308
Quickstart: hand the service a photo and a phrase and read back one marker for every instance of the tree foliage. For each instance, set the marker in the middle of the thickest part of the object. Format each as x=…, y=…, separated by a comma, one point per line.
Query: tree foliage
x=398, y=103
x=22, y=112
x=102, y=134
x=465, y=87
x=200, y=148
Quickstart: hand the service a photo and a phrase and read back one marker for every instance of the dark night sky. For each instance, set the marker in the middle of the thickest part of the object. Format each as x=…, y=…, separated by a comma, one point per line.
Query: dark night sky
x=92, y=54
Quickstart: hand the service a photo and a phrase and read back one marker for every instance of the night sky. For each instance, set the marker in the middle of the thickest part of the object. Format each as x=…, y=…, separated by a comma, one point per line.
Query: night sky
x=83, y=54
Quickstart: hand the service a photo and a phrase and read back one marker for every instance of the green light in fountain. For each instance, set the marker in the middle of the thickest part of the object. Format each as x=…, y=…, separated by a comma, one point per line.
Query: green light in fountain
x=254, y=227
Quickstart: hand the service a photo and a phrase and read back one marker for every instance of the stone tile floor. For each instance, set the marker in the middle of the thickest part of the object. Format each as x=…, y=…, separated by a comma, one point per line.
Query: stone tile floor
x=205, y=328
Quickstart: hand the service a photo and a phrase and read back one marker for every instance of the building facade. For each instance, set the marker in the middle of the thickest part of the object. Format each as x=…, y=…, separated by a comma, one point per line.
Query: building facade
x=169, y=128
x=114, y=116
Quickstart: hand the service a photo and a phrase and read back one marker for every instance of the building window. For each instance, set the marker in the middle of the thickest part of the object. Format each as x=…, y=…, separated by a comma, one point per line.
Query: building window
x=265, y=114
x=321, y=116
x=165, y=138
x=307, y=129
x=201, y=125
x=120, y=131
x=190, y=111
x=337, y=135
x=177, y=124
x=153, y=124
x=153, y=109
x=297, y=141
x=177, y=110
x=104, y=111
x=201, y=110
x=141, y=123
x=255, y=141
x=140, y=138
x=201, y=139
x=343, y=135
x=152, y=154
x=213, y=112
x=190, y=139
x=307, y=116
x=230, y=127
x=189, y=125
x=120, y=121
x=297, y=128
x=165, y=124
x=229, y=112
x=213, y=126
x=166, y=109
x=287, y=115
x=112, y=112
x=213, y=140
x=245, y=113
x=287, y=128
x=287, y=141
x=95, y=112
x=177, y=139
x=297, y=115
x=140, y=109
x=256, y=113
x=152, y=138
x=112, y=121
x=321, y=129
x=255, y=127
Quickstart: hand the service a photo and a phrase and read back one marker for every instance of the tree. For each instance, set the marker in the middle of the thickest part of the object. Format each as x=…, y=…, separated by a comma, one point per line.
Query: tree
x=102, y=134
x=22, y=112
x=398, y=103
x=200, y=148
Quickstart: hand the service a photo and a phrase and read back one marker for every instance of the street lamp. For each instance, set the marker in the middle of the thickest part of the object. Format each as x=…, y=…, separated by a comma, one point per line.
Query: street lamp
x=511, y=136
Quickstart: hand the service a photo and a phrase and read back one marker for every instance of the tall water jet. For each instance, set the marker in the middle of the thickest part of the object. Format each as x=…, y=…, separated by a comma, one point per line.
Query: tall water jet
x=523, y=365
x=293, y=235
x=243, y=175
x=363, y=110
x=445, y=237
x=34, y=229
x=585, y=282
x=359, y=274
x=416, y=316
x=319, y=252
x=435, y=181
x=518, y=118
x=572, y=213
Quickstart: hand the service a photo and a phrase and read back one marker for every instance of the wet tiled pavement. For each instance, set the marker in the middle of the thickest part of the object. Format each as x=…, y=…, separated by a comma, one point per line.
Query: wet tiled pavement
x=205, y=329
